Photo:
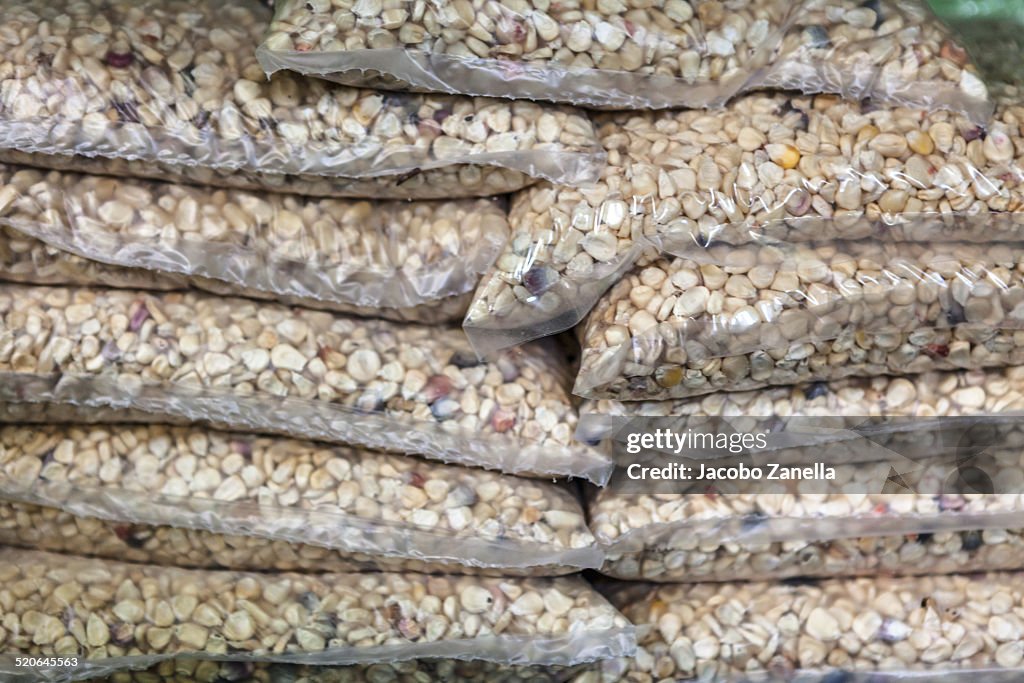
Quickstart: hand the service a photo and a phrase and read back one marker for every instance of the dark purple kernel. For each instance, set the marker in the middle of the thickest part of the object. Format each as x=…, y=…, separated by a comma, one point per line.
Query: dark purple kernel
x=243, y=448
x=138, y=318
x=974, y=133
x=111, y=352
x=119, y=60
x=539, y=279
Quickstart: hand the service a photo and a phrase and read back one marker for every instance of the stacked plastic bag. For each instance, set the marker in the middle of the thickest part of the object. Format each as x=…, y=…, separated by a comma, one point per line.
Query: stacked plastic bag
x=229, y=344
x=243, y=436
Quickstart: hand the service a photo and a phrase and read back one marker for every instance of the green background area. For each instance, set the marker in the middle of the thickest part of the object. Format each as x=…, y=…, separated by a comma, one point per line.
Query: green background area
x=992, y=31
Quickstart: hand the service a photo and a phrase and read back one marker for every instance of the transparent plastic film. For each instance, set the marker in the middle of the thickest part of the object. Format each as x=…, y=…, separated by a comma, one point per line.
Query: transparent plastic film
x=26, y=260
x=204, y=671
x=852, y=416
x=178, y=83
x=37, y=527
x=733, y=304
x=135, y=616
x=358, y=503
x=767, y=169
x=31, y=261
x=671, y=53
x=787, y=529
x=246, y=365
x=894, y=52
x=440, y=183
x=347, y=255
x=927, y=473
x=15, y=411
x=939, y=628
x=857, y=354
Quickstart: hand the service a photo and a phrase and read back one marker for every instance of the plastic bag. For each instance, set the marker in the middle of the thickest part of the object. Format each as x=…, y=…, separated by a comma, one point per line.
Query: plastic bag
x=442, y=183
x=400, y=260
x=177, y=82
x=449, y=671
x=111, y=616
x=768, y=168
x=857, y=354
x=30, y=261
x=51, y=529
x=991, y=30
x=671, y=53
x=359, y=503
x=929, y=395
x=16, y=412
x=913, y=416
x=655, y=332
x=949, y=628
x=789, y=528
x=25, y=259
x=246, y=365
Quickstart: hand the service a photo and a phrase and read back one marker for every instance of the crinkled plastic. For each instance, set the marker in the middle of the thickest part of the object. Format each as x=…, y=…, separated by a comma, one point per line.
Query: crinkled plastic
x=854, y=354
x=388, y=259
x=357, y=503
x=936, y=628
x=114, y=616
x=929, y=395
x=769, y=168
x=26, y=259
x=17, y=412
x=759, y=534
x=30, y=261
x=450, y=671
x=670, y=53
x=246, y=365
x=443, y=183
x=51, y=529
x=177, y=82
x=657, y=331
x=778, y=530
x=909, y=415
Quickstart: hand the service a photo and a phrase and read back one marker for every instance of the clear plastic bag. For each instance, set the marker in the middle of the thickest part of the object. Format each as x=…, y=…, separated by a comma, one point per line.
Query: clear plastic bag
x=177, y=82
x=908, y=415
x=15, y=411
x=27, y=260
x=244, y=365
x=991, y=30
x=656, y=332
x=31, y=261
x=36, y=527
x=860, y=354
x=768, y=168
x=398, y=260
x=787, y=529
x=777, y=530
x=929, y=395
x=357, y=503
x=935, y=628
x=440, y=183
x=446, y=670
x=114, y=616
x=670, y=53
